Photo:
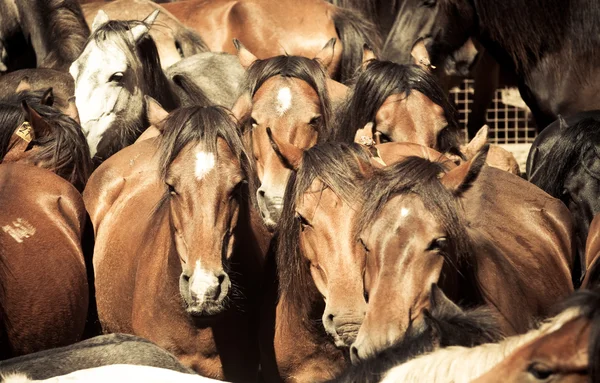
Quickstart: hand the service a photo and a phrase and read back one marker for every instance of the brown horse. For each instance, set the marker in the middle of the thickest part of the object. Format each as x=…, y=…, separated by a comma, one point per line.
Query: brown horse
x=290, y=96
x=172, y=261
x=271, y=28
x=592, y=255
x=43, y=285
x=404, y=103
x=485, y=236
x=173, y=39
x=567, y=353
x=34, y=132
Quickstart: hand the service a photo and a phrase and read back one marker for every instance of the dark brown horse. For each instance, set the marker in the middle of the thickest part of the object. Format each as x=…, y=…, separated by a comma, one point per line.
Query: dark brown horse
x=485, y=236
x=290, y=96
x=46, y=34
x=270, y=29
x=34, y=132
x=43, y=284
x=560, y=38
x=173, y=260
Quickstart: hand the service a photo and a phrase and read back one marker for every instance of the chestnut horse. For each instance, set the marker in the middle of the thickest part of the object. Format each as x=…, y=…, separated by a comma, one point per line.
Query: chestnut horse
x=285, y=27
x=173, y=39
x=592, y=255
x=290, y=96
x=405, y=104
x=568, y=353
x=182, y=274
x=485, y=236
x=43, y=284
x=33, y=132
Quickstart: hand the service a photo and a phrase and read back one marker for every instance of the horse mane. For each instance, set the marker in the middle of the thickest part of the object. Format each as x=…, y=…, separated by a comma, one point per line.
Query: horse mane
x=355, y=30
x=567, y=151
x=588, y=303
x=338, y=167
x=420, y=176
x=442, y=328
x=66, y=149
x=381, y=79
x=548, y=25
x=154, y=83
x=65, y=24
x=195, y=124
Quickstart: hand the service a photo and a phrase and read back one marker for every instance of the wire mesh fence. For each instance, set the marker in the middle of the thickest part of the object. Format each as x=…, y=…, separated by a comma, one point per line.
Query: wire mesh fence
x=508, y=117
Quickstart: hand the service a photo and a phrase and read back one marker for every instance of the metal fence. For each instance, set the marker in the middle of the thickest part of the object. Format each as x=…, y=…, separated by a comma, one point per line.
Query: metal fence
x=508, y=117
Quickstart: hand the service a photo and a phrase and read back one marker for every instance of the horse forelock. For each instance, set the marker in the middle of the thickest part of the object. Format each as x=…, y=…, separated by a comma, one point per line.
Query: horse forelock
x=381, y=79
x=336, y=165
x=302, y=68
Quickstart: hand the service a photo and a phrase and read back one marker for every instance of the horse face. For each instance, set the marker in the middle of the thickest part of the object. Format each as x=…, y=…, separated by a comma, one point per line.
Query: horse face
x=291, y=109
x=403, y=261
x=107, y=78
x=413, y=118
x=445, y=24
x=337, y=260
x=204, y=208
x=559, y=356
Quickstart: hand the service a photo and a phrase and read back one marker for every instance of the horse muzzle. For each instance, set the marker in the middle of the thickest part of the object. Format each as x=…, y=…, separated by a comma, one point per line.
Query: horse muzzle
x=204, y=293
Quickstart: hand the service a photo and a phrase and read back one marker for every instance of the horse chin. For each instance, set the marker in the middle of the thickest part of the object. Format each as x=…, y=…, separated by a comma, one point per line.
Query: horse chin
x=206, y=311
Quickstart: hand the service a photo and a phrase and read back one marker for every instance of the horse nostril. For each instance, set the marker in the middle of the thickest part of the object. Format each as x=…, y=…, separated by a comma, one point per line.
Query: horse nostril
x=221, y=278
x=354, y=354
x=261, y=193
x=330, y=317
x=185, y=277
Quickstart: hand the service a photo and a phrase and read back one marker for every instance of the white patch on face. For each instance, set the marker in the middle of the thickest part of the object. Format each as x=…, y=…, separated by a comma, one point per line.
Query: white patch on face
x=201, y=281
x=19, y=230
x=404, y=212
x=284, y=100
x=205, y=162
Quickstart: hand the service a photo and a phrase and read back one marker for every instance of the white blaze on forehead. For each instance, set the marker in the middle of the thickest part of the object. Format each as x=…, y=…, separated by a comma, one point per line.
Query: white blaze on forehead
x=404, y=212
x=201, y=281
x=284, y=100
x=205, y=162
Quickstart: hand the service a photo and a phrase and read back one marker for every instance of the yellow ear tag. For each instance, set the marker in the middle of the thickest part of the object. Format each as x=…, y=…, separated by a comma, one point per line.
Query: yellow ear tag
x=25, y=132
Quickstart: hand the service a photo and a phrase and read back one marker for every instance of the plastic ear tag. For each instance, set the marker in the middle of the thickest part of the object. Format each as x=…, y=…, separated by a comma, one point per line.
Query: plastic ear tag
x=25, y=132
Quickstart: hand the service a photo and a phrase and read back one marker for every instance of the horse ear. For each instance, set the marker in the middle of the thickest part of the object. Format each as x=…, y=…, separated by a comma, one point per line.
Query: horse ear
x=461, y=178
x=47, y=97
x=141, y=29
x=244, y=55
x=242, y=107
x=441, y=304
x=476, y=143
x=40, y=127
x=156, y=113
x=420, y=55
x=100, y=19
x=23, y=85
x=325, y=56
x=368, y=56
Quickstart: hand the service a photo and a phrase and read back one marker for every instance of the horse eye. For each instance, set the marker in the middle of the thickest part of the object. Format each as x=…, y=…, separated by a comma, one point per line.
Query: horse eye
x=179, y=49
x=315, y=121
x=383, y=138
x=539, y=371
x=116, y=77
x=253, y=122
x=303, y=221
x=429, y=3
x=171, y=189
x=438, y=244
x=237, y=189
x=364, y=245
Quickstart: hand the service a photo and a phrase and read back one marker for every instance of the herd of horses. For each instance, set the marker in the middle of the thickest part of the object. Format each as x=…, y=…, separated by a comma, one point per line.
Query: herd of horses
x=279, y=191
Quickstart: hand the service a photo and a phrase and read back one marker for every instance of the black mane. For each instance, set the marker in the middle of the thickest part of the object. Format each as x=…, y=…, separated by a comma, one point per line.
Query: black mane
x=66, y=149
x=381, y=79
x=336, y=165
x=570, y=144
